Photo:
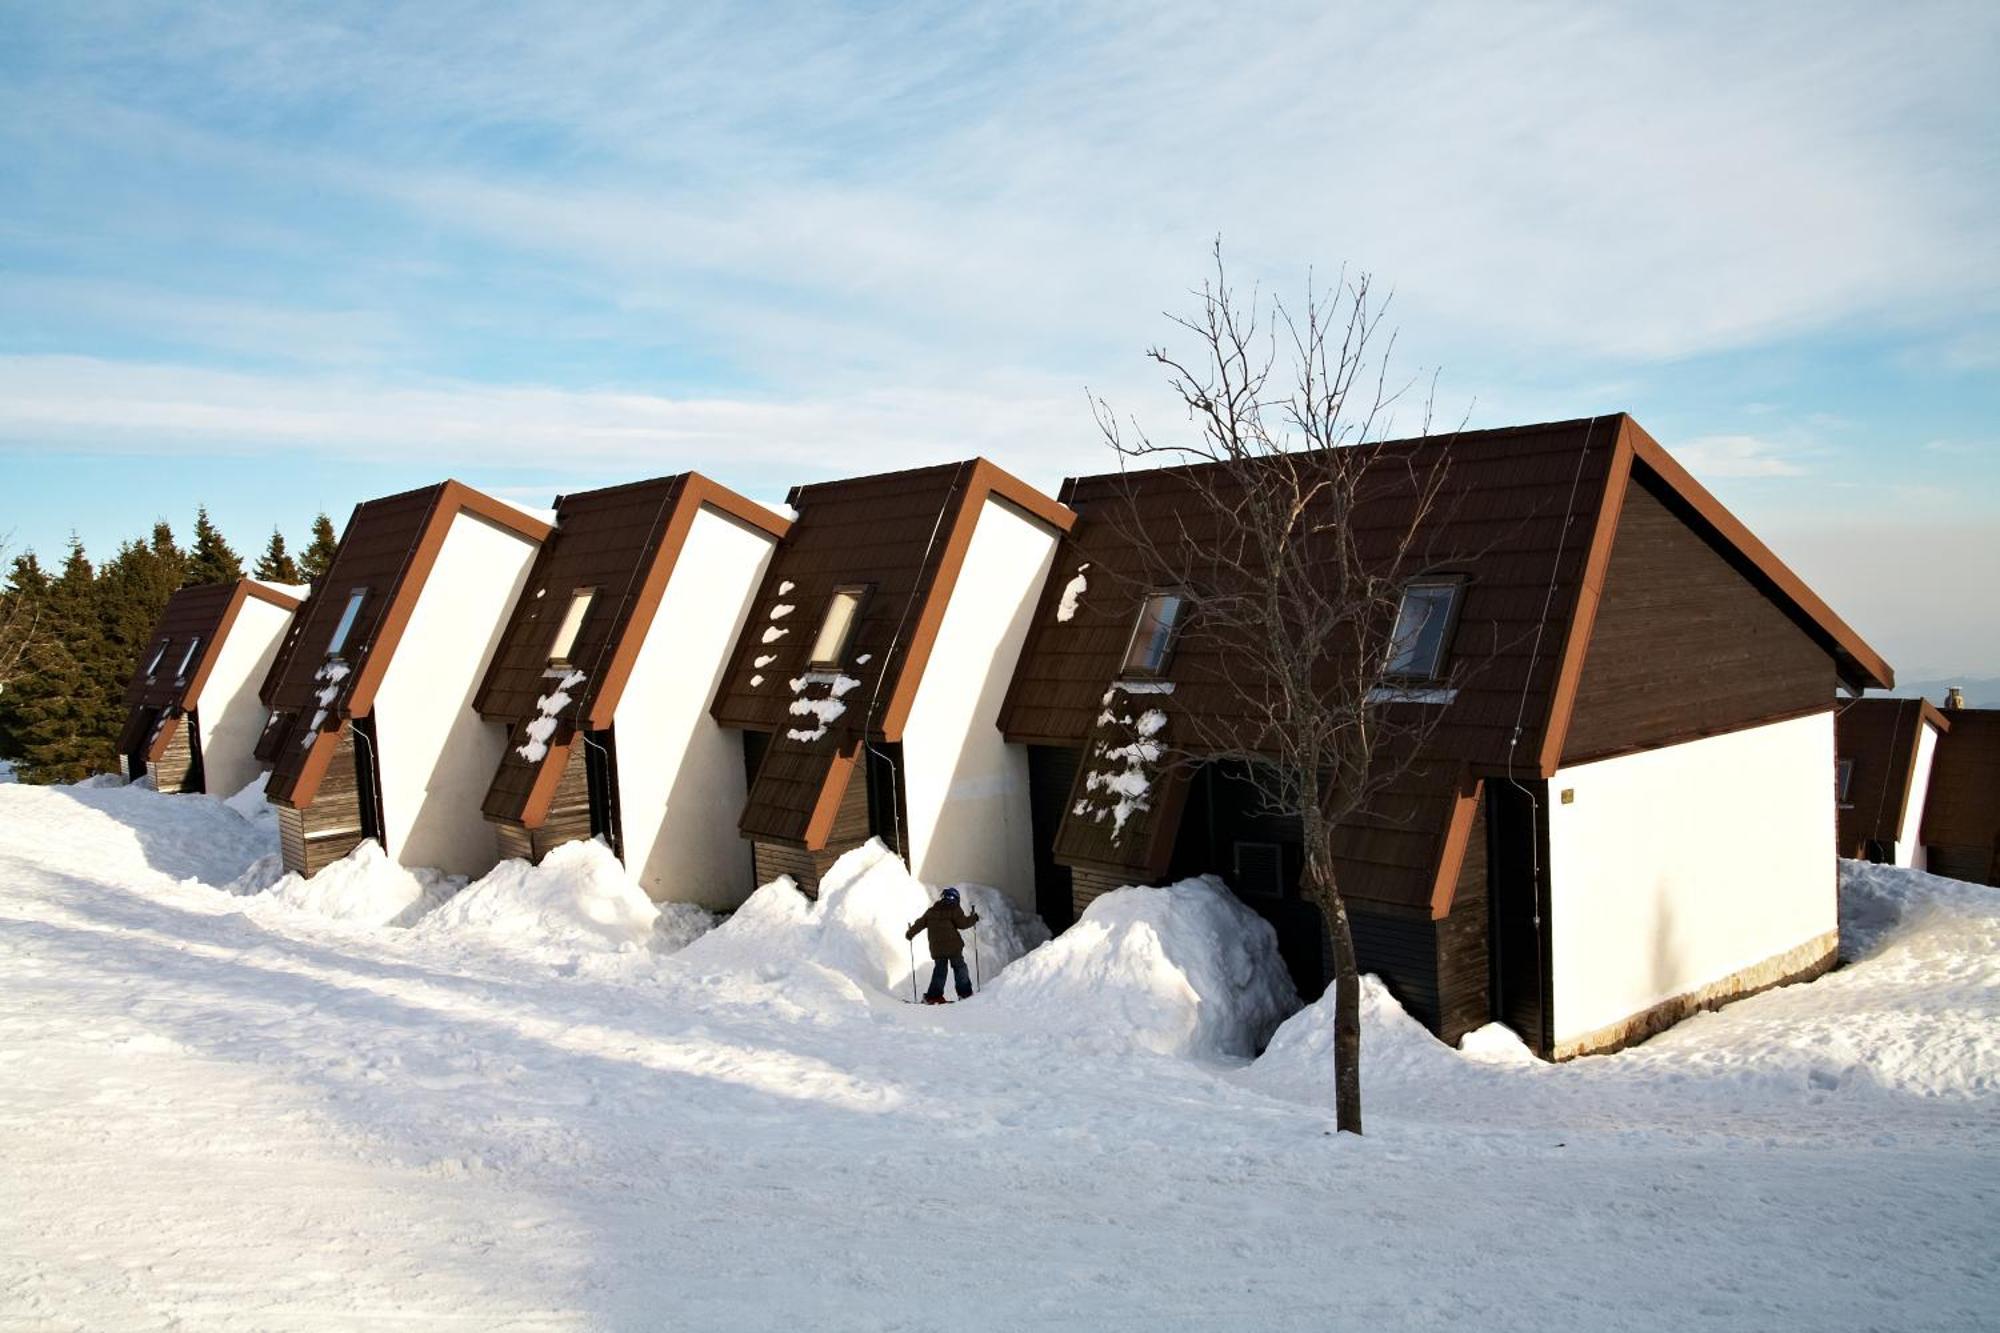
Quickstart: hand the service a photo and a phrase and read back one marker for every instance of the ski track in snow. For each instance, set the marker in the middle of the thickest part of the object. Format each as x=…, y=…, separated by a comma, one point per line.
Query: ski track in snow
x=226, y=1113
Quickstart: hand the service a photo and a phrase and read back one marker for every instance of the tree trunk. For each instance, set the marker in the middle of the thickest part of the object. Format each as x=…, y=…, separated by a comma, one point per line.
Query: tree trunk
x=1346, y=1026
x=1347, y=1004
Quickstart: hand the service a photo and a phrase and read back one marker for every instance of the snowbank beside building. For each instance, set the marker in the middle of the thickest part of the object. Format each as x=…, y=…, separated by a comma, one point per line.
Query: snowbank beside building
x=578, y=898
x=366, y=887
x=1181, y=970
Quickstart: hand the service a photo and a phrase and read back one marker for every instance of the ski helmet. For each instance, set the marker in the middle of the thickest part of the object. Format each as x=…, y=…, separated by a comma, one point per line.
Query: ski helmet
x=949, y=895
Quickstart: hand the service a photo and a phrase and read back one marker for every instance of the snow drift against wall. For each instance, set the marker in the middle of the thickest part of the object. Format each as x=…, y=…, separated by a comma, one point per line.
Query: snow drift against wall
x=578, y=898
x=1181, y=970
x=366, y=887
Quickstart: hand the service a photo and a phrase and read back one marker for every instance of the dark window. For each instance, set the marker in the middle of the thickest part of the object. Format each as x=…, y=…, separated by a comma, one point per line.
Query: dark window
x=1259, y=868
x=187, y=658
x=1843, y=775
x=1423, y=629
x=836, y=628
x=1153, y=634
x=158, y=653
x=754, y=745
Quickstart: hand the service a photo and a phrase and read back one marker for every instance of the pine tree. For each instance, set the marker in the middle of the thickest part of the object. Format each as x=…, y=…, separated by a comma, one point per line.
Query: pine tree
x=212, y=560
x=62, y=727
x=133, y=591
x=21, y=632
x=276, y=564
x=168, y=552
x=317, y=558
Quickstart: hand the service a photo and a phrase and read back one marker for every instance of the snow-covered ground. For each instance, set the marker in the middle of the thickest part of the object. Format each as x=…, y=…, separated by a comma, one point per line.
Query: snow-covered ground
x=228, y=1110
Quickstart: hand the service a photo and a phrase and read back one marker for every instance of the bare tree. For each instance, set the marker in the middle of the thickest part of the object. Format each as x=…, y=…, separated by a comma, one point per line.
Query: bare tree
x=1297, y=601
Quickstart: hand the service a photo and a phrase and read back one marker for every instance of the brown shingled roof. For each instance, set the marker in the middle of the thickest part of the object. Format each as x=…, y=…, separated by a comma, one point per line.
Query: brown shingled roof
x=904, y=536
x=1879, y=739
x=1528, y=516
x=623, y=541
x=388, y=547
x=207, y=611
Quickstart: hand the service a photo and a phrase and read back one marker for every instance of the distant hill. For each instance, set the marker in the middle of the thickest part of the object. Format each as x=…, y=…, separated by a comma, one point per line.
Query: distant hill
x=1980, y=692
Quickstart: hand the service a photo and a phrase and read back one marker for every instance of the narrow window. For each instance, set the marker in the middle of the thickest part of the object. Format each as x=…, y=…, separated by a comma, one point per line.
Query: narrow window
x=572, y=624
x=346, y=625
x=836, y=630
x=1423, y=624
x=187, y=658
x=1153, y=635
x=158, y=654
x=1843, y=775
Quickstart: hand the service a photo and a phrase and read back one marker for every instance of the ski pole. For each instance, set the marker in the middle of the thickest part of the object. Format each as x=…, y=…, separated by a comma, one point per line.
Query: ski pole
x=977, y=981
x=913, y=969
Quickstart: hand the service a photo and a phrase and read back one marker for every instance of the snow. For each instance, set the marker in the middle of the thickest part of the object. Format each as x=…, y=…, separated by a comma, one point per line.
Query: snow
x=296, y=591
x=548, y=708
x=578, y=898
x=1180, y=970
x=780, y=611
x=785, y=586
x=1125, y=788
x=772, y=633
x=221, y=1112
x=1072, y=590
x=330, y=674
x=367, y=887
x=823, y=709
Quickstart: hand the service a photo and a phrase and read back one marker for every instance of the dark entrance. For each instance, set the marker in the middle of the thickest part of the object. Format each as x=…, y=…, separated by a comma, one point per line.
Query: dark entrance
x=1051, y=771
x=600, y=770
x=1259, y=855
x=368, y=780
x=884, y=776
x=1517, y=861
x=135, y=758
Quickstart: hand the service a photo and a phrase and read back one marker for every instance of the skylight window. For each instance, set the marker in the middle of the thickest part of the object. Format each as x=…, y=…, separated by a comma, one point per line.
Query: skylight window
x=187, y=658
x=836, y=630
x=572, y=624
x=1423, y=628
x=1844, y=778
x=346, y=625
x=158, y=654
x=1154, y=633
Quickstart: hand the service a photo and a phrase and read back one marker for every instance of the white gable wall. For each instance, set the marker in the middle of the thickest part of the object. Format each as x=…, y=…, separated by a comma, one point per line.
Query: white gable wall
x=229, y=712
x=680, y=776
x=1678, y=868
x=438, y=756
x=1909, y=845
x=967, y=789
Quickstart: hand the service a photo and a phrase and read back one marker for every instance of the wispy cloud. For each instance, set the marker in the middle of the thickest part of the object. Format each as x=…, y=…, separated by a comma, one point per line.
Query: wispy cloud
x=1739, y=456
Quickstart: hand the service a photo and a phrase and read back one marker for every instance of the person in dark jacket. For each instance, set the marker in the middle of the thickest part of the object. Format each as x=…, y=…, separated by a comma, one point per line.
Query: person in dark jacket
x=942, y=921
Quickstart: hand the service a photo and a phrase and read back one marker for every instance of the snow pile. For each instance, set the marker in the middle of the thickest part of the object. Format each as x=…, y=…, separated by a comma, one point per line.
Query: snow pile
x=366, y=887
x=854, y=930
x=1006, y=931
x=251, y=804
x=1072, y=591
x=1181, y=970
x=1394, y=1048
x=547, y=707
x=578, y=898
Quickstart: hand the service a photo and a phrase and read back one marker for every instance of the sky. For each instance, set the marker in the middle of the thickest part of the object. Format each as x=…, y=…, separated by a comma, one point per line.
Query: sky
x=277, y=258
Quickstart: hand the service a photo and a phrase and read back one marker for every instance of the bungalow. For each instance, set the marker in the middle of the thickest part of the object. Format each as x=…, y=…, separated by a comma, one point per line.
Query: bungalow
x=1619, y=814
x=1961, y=829
x=1887, y=749
x=603, y=681
x=372, y=731
x=193, y=713
x=868, y=682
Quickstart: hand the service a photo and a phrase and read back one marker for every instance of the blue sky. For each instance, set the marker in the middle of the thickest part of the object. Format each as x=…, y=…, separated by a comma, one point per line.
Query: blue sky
x=283, y=257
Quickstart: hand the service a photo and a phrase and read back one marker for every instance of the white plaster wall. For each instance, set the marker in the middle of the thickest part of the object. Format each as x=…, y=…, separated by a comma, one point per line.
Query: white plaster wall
x=1677, y=867
x=1909, y=845
x=438, y=756
x=229, y=711
x=680, y=776
x=967, y=818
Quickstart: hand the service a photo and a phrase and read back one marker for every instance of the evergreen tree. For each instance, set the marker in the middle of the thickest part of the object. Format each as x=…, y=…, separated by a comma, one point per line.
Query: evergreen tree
x=276, y=564
x=133, y=591
x=21, y=631
x=62, y=726
x=168, y=552
x=212, y=560
x=317, y=558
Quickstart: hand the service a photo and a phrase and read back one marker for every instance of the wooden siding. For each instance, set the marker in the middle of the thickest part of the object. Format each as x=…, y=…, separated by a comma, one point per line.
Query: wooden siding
x=1686, y=644
x=331, y=827
x=1463, y=984
x=568, y=818
x=178, y=769
x=1962, y=815
x=1087, y=886
x=807, y=866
